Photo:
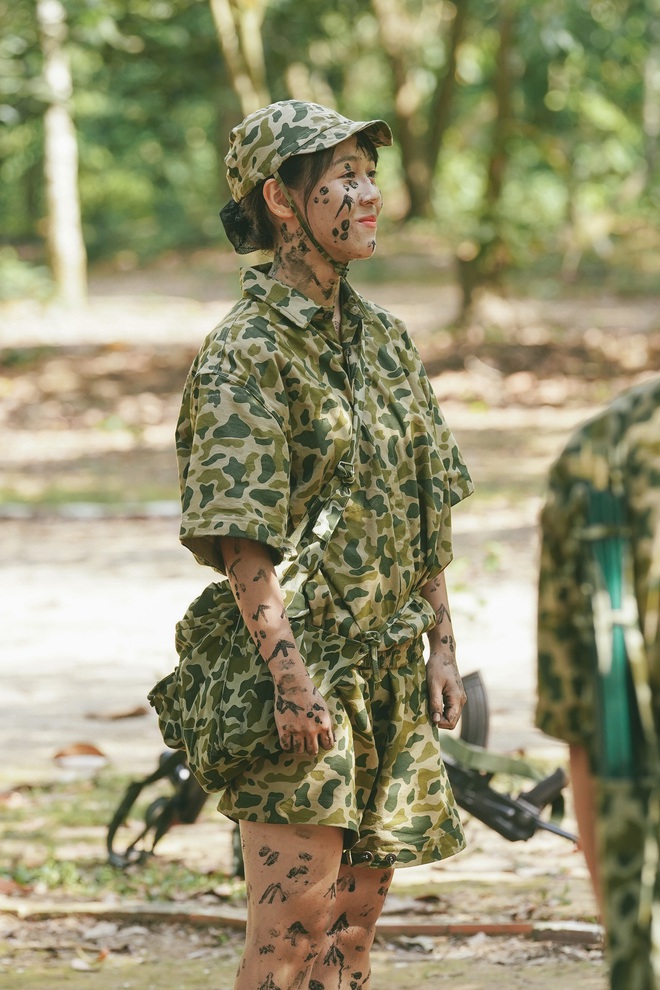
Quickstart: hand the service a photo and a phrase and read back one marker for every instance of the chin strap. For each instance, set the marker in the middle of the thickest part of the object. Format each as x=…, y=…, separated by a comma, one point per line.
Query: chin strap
x=339, y=266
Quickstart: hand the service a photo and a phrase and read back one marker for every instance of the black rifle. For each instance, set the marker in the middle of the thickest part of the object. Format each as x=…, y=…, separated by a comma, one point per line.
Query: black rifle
x=182, y=808
x=469, y=766
x=515, y=818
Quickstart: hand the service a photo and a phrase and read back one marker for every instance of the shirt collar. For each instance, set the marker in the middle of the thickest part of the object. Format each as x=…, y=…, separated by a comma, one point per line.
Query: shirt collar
x=299, y=308
x=293, y=305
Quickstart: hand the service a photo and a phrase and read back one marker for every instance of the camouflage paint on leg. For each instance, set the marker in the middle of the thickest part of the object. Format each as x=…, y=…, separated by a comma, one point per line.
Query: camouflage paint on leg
x=289, y=870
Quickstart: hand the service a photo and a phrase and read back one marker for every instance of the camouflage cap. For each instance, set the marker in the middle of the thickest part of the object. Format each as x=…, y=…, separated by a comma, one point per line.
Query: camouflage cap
x=266, y=138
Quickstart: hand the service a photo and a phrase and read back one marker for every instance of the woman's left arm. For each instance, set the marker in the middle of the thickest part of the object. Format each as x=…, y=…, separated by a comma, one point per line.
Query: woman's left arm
x=445, y=687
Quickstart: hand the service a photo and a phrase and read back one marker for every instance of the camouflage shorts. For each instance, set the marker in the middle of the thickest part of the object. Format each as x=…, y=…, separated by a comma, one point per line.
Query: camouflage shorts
x=383, y=782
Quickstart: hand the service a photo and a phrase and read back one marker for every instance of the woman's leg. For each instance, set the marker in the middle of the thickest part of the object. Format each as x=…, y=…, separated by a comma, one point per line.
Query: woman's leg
x=291, y=878
x=343, y=962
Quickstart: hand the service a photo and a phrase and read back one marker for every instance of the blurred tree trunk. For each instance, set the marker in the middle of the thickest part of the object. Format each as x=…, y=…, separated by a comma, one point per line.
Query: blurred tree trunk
x=419, y=130
x=482, y=262
x=66, y=247
x=651, y=109
x=239, y=24
x=443, y=97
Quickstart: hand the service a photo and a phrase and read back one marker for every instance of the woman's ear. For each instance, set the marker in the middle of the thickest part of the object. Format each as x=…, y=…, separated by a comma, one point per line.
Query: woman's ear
x=276, y=200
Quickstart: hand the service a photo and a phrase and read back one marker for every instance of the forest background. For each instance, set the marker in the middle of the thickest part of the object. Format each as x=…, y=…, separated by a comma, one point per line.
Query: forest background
x=520, y=242
x=526, y=132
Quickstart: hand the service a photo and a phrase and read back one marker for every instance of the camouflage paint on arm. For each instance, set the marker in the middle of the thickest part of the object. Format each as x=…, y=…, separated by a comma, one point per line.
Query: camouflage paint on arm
x=445, y=687
x=302, y=716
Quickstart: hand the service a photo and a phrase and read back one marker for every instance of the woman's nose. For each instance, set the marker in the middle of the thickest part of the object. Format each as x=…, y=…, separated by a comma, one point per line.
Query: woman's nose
x=369, y=192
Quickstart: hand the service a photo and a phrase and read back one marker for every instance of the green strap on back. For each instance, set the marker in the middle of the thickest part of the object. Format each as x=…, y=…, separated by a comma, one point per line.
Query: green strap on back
x=607, y=536
x=628, y=744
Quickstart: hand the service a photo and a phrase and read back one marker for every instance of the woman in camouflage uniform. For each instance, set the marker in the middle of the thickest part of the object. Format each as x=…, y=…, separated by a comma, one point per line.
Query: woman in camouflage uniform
x=357, y=785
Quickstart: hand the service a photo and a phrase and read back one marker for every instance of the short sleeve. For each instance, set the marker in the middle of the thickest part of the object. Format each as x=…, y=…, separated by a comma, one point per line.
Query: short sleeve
x=233, y=467
x=458, y=480
x=457, y=476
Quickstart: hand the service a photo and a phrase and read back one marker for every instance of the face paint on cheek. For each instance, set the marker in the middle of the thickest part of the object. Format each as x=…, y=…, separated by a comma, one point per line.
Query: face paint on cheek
x=347, y=203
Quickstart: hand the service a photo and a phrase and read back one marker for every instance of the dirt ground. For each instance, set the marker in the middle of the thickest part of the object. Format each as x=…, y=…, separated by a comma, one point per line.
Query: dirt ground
x=91, y=588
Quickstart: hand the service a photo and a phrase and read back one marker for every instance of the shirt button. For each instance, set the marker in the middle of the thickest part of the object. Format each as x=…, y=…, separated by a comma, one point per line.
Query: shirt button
x=366, y=857
x=390, y=859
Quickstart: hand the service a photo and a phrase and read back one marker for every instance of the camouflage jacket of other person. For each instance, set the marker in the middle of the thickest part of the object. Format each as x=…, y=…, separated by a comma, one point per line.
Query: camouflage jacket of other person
x=265, y=421
x=566, y=640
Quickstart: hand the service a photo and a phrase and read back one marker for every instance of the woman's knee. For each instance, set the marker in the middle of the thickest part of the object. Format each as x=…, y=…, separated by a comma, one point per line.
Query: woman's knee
x=360, y=898
x=353, y=937
x=291, y=874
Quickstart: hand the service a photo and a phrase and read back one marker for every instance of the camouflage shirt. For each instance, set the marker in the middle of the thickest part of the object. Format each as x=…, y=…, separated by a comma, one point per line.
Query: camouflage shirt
x=265, y=422
x=566, y=682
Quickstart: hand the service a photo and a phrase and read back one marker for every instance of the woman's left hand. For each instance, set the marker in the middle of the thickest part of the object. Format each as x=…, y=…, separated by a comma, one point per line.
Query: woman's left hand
x=445, y=689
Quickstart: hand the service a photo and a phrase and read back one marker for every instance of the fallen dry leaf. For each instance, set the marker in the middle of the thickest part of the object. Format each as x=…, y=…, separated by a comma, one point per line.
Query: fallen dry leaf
x=84, y=963
x=9, y=888
x=14, y=798
x=137, y=712
x=78, y=749
x=80, y=758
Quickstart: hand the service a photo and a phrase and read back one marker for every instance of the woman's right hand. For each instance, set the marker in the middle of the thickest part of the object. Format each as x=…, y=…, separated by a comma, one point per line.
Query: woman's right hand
x=301, y=715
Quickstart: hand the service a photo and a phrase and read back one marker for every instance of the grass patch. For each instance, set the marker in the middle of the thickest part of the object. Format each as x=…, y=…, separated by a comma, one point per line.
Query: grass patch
x=155, y=881
x=43, y=822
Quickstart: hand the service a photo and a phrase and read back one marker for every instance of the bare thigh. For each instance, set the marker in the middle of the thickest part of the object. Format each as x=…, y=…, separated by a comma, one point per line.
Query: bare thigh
x=290, y=875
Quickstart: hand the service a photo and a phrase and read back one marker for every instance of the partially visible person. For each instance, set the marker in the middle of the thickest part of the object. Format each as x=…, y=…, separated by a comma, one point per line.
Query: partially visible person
x=599, y=594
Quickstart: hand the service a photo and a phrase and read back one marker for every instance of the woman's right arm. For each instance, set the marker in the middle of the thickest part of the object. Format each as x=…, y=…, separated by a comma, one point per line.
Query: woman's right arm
x=301, y=714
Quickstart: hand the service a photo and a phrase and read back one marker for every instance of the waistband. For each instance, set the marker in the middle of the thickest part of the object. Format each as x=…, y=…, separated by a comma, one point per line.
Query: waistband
x=378, y=658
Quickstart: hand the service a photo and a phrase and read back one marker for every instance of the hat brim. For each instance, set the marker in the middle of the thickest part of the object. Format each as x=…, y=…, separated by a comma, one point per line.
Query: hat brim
x=377, y=130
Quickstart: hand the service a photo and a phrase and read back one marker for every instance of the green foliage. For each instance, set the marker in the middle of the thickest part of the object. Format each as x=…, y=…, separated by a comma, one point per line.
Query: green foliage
x=19, y=279
x=149, y=165
x=153, y=103
x=61, y=812
x=158, y=880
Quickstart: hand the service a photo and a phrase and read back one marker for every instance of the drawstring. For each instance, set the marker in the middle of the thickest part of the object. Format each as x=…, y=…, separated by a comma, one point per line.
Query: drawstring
x=372, y=641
